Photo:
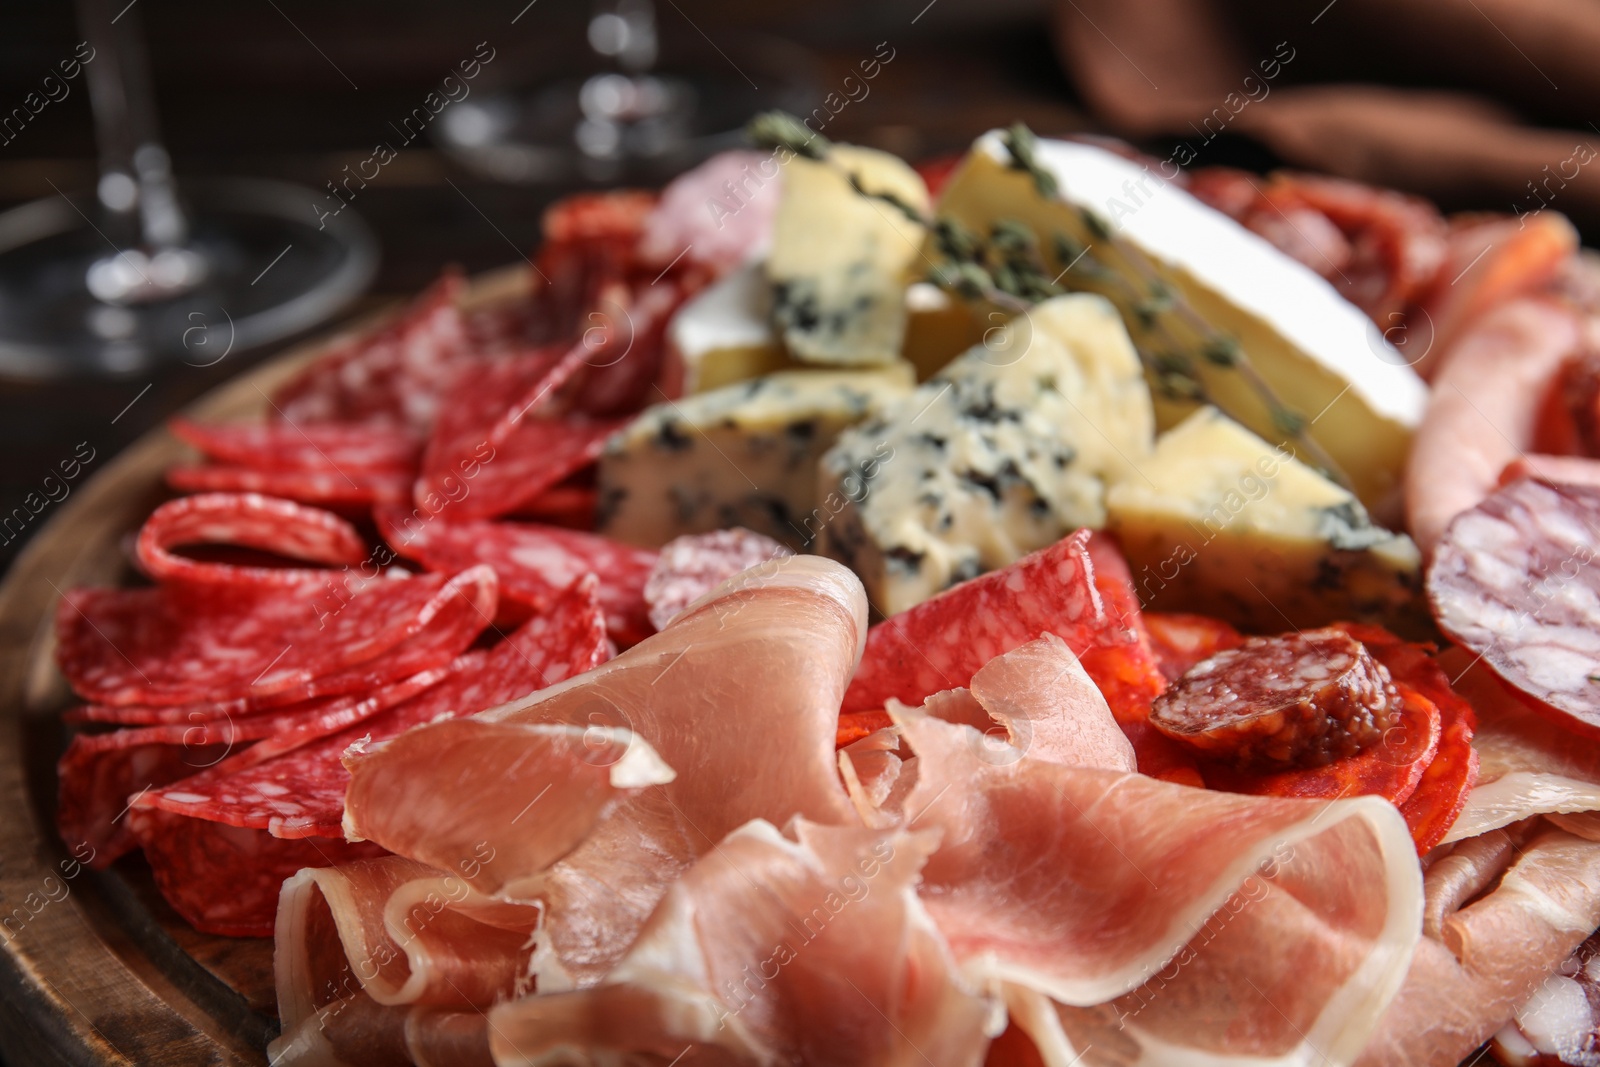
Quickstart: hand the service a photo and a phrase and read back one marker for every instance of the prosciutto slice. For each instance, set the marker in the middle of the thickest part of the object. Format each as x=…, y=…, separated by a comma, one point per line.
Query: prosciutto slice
x=771, y=950
x=749, y=676
x=1527, y=765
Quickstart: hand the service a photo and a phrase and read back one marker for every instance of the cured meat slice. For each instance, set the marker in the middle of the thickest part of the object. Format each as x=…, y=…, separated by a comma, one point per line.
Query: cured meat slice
x=562, y=505
x=1049, y=707
x=1512, y=580
x=534, y=562
x=798, y=915
x=1555, y=470
x=292, y=788
x=1527, y=764
x=1279, y=703
x=94, y=787
x=181, y=644
x=1484, y=409
x=537, y=455
x=591, y=768
x=440, y=641
x=732, y=232
x=335, y=489
x=1444, y=787
x=1493, y=954
x=223, y=879
x=324, y=447
x=854, y=725
x=245, y=520
x=751, y=677
x=691, y=566
x=392, y=377
x=941, y=643
x=1080, y=884
x=360, y=944
x=1180, y=640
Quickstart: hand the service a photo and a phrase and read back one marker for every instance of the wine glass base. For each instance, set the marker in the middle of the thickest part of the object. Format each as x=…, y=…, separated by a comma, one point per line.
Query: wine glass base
x=271, y=271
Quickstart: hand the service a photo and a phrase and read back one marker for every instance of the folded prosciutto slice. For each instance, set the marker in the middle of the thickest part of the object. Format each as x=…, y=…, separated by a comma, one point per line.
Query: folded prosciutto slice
x=739, y=697
x=771, y=950
x=1528, y=765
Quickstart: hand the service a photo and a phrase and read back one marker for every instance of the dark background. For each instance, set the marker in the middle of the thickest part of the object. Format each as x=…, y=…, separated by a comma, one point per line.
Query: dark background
x=295, y=90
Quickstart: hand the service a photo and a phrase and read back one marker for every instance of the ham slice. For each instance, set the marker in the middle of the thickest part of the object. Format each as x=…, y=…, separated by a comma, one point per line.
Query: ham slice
x=768, y=950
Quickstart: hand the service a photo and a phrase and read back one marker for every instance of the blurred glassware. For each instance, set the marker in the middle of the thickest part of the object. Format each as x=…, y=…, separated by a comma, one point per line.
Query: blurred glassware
x=636, y=105
x=141, y=273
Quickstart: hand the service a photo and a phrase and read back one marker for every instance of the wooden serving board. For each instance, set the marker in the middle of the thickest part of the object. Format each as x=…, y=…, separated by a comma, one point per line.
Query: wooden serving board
x=95, y=968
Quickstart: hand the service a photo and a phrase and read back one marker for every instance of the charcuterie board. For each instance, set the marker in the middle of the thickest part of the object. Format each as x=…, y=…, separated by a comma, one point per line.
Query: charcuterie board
x=95, y=967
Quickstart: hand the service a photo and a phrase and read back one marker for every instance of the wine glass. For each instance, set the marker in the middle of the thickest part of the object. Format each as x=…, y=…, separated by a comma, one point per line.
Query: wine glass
x=144, y=272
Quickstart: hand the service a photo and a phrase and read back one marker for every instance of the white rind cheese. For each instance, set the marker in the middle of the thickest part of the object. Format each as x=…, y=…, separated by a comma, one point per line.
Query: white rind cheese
x=724, y=335
x=1325, y=360
x=841, y=260
x=1004, y=451
x=1223, y=523
x=743, y=455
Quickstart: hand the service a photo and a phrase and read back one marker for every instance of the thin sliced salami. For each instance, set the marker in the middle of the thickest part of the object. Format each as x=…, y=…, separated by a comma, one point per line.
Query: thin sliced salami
x=1514, y=580
x=330, y=447
x=538, y=454
x=225, y=880
x=691, y=566
x=334, y=489
x=941, y=643
x=182, y=644
x=535, y=563
x=301, y=794
x=246, y=520
x=392, y=377
x=562, y=505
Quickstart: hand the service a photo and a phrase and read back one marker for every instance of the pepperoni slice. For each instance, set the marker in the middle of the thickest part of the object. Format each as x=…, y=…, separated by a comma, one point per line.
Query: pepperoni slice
x=535, y=563
x=329, y=447
x=1393, y=768
x=225, y=880
x=1277, y=703
x=245, y=520
x=1181, y=640
x=691, y=566
x=334, y=489
x=181, y=644
x=1514, y=580
x=301, y=793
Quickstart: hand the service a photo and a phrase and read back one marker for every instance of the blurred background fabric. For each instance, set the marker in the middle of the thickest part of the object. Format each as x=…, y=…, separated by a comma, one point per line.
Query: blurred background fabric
x=1480, y=104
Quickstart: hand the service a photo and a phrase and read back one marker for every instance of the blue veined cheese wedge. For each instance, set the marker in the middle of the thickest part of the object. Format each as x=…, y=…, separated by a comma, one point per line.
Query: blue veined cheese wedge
x=1334, y=373
x=1221, y=522
x=743, y=455
x=725, y=334
x=841, y=260
x=1007, y=449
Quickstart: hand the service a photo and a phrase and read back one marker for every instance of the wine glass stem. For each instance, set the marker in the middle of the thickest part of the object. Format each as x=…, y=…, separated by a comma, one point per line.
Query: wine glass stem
x=138, y=199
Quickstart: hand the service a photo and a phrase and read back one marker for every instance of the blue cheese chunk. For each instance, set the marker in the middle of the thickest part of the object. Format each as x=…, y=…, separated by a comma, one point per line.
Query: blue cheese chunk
x=840, y=260
x=743, y=455
x=1224, y=523
x=1004, y=451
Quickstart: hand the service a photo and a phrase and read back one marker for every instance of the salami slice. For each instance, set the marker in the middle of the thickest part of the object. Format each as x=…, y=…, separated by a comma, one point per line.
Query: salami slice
x=100, y=773
x=562, y=505
x=325, y=447
x=1514, y=580
x=245, y=520
x=301, y=794
x=454, y=627
x=334, y=489
x=538, y=454
x=534, y=562
x=392, y=377
x=181, y=644
x=691, y=566
x=941, y=643
x=225, y=880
